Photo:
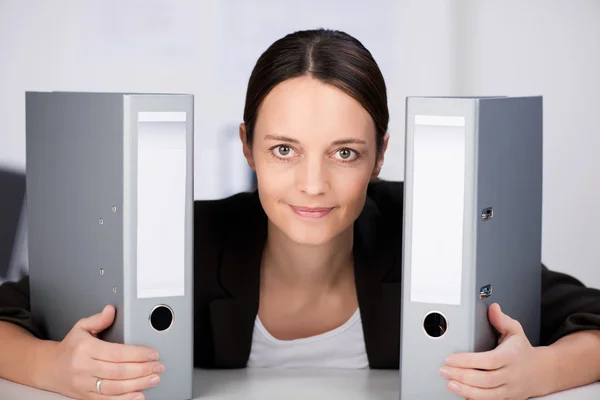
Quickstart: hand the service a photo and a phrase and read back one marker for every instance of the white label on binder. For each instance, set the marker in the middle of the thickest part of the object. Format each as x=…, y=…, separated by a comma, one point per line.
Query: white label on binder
x=161, y=197
x=437, y=209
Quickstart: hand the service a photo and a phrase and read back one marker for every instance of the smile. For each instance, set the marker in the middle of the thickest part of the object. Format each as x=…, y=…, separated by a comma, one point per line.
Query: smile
x=308, y=212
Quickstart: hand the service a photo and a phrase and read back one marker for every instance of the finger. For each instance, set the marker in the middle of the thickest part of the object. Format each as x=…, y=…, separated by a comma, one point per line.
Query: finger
x=120, y=353
x=504, y=324
x=98, y=322
x=128, y=396
x=126, y=370
x=112, y=387
x=474, y=377
x=485, y=360
x=470, y=392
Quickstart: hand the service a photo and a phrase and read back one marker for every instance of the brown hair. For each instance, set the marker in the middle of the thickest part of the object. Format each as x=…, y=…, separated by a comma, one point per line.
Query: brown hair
x=333, y=57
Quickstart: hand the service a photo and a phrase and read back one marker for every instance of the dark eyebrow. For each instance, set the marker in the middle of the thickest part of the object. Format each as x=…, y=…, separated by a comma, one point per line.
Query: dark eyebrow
x=349, y=141
x=281, y=138
x=337, y=142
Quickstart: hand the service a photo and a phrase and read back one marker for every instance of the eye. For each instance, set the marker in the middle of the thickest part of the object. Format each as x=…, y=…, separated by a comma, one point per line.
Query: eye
x=283, y=151
x=346, y=154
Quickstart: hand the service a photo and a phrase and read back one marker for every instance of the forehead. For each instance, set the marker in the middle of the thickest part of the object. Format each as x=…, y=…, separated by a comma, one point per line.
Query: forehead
x=306, y=108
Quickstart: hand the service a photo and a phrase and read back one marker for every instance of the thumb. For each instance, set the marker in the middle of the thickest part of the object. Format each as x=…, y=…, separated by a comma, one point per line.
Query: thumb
x=505, y=325
x=99, y=322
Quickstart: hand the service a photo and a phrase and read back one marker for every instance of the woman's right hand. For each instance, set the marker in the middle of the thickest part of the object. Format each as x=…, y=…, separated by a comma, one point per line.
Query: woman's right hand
x=81, y=358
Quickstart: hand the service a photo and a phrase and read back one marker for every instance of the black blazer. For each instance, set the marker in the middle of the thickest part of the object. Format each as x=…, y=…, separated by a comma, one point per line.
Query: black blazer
x=229, y=236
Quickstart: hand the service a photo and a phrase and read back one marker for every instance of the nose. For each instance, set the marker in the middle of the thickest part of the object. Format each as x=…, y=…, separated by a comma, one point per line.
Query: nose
x=311, y=177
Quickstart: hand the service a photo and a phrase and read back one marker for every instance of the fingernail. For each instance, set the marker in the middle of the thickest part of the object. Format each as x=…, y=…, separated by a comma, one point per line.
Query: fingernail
x=153, y=355
x=453, y=386
x=140, y=397
x=445, y=372
x=154, y=380
x=159, y=368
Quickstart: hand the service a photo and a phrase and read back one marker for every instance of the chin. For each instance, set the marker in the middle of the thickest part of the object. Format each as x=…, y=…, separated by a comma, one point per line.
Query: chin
x=313, y=232
x=309, y=236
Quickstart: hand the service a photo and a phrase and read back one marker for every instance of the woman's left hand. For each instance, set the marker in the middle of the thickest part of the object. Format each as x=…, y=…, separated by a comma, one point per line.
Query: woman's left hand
x=510, y=371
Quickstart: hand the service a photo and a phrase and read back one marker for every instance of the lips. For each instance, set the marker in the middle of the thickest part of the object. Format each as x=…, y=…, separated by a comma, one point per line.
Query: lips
x=309, y=212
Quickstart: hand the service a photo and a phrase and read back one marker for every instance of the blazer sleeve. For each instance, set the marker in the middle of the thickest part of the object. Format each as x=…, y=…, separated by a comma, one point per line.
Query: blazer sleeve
x=15, y=306
x=568, y=306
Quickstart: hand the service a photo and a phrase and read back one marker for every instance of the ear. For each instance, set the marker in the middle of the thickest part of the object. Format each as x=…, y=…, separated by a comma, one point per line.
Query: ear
x=380, y=157
x=246, y=149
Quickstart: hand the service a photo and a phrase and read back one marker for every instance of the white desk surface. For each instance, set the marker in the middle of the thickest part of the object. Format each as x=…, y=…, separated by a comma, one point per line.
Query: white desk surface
x=262, y=384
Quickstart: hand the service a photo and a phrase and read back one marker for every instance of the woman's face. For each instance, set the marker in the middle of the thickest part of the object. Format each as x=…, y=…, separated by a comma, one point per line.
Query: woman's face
x=314, y=153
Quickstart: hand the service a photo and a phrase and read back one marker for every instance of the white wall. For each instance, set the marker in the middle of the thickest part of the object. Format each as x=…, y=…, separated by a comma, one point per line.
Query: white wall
x=441, y=47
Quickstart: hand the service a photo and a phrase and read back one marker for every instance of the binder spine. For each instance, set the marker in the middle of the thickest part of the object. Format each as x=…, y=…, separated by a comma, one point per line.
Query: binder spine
x=160, y=233
x=438, y=265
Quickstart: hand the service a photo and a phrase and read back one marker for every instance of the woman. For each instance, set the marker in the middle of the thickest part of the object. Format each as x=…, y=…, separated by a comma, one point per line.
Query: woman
x=306, y=270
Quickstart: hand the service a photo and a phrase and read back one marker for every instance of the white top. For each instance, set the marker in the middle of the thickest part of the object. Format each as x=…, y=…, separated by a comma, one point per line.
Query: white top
x=342, y=347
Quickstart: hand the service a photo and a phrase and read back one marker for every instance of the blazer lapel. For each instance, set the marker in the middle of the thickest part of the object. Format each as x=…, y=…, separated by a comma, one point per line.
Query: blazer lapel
x=378, y=284
x=232, y=318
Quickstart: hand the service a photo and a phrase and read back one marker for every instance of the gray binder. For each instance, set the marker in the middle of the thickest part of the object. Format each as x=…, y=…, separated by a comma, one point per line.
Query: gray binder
x=472, y=230
x=110, y=214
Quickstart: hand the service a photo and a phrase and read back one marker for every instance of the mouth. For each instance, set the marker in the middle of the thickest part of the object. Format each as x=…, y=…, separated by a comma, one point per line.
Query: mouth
x=310, y=212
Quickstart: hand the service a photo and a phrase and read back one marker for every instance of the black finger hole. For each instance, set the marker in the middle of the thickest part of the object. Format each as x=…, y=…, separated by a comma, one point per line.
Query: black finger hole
x=161, y=318
x=435, y=324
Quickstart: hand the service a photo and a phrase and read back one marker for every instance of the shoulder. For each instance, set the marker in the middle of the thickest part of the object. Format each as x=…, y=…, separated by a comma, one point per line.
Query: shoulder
x=218, y=219
x=387, y=199
x=242, y=200
x=386, y=194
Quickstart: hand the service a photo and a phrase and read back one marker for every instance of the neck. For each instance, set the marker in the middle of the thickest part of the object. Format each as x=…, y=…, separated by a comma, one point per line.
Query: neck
x=312, y=266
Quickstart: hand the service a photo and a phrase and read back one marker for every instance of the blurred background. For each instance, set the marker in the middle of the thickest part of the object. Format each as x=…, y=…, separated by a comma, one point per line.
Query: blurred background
x=209, y=47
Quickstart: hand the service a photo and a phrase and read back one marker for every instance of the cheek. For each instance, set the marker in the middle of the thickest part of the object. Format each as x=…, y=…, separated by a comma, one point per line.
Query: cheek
x=351, y=192
x=274, y=186
x=274, y=181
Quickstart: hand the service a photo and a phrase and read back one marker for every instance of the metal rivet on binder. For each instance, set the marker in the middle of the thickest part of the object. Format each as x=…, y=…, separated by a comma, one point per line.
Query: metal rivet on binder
x=101, y=221
x=101, y=271
x=487, y=213
x=485, y=292
x=114, y=209
x=114, y=289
